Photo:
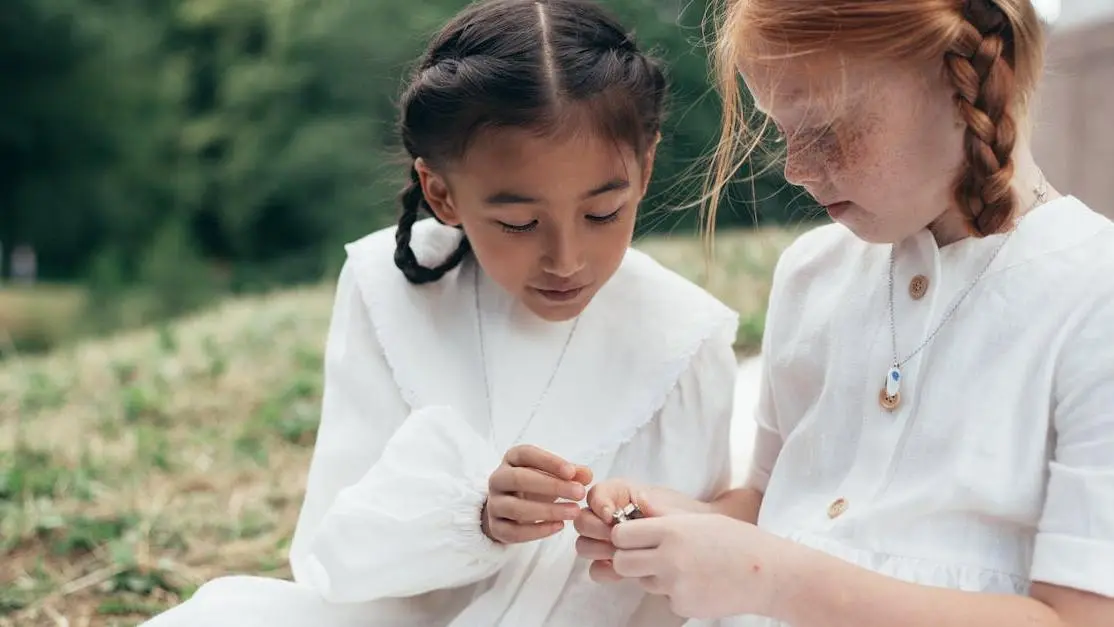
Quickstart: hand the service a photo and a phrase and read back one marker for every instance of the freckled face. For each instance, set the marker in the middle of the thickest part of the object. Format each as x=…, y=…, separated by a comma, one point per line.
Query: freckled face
x=549, y=220
x=878, y=145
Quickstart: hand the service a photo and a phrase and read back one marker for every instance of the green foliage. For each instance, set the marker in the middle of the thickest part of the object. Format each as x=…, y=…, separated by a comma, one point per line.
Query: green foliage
x=158, y=155
x=208, y=145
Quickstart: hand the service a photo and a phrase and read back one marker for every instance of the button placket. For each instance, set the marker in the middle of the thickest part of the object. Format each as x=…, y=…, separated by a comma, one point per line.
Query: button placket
x=882, y=430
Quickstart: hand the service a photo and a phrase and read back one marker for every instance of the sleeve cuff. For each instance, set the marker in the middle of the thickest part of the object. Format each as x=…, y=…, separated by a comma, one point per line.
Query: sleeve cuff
x=412, y=523
x=1079, y=563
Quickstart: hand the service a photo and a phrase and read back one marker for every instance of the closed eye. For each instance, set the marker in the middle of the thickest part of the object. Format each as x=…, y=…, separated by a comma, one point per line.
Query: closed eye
x=519, y=228
x=611, y=217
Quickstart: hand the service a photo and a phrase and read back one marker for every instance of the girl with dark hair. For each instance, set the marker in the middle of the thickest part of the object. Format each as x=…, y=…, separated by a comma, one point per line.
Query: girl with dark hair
x=485, y=365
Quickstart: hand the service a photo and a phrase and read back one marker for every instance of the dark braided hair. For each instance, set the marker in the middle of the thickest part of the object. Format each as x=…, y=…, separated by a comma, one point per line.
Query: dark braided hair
x=543, y=65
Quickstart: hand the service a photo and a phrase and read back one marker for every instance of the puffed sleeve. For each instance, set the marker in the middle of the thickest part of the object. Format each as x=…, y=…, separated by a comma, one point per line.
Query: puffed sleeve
x=766, y=439
x=393, y=498
x=1075, y=540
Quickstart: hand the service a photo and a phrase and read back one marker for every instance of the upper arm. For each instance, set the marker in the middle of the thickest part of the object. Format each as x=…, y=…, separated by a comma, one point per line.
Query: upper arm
x=361, y=407
x=765, y=438
x=1074, y=547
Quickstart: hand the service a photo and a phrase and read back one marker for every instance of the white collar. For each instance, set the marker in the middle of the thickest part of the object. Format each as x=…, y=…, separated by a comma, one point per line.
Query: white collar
x=633, y=343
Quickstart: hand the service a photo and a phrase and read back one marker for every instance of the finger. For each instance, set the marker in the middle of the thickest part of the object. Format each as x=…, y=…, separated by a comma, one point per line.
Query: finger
x=507, y=507
x=591, y=526
x=636, y=564
x=594, y=549
x=644, y=533
x=527, y=456
x=603, y=572
x=509, y=479
x=510, y=532
x=583, y=475
x=606, y=498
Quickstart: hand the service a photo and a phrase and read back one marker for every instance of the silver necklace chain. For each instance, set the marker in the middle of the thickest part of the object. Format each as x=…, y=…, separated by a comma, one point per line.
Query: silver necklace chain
x=1041, y=194
x=487, y=383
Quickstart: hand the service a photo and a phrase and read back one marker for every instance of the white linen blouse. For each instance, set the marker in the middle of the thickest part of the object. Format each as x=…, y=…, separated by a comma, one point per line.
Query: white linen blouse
x=997, y=468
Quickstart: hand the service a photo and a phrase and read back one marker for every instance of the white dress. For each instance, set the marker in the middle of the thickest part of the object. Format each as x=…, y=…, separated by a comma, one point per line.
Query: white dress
x=389, y=533
x=997, y=469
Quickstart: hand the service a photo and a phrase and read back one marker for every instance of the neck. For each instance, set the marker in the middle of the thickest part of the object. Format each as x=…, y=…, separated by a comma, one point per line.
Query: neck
x=1028, y=181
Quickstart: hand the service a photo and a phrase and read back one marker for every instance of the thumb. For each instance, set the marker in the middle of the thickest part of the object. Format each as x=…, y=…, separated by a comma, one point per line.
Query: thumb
x=604, y=499
x=654, y=507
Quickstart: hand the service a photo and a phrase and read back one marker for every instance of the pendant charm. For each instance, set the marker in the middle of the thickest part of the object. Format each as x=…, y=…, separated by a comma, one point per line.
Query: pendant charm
x=888, y=402
x=890, y=395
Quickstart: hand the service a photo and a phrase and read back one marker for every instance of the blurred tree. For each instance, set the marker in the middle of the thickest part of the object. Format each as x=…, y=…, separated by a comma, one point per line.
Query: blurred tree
x=258, y=135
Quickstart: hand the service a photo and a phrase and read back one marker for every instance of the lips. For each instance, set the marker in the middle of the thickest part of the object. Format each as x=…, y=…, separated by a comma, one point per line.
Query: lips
x=559, y=294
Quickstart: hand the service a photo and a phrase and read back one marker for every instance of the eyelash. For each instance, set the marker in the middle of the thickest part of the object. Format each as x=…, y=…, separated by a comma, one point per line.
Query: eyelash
x=594, y=219
x=518, y=228
x=611, y=217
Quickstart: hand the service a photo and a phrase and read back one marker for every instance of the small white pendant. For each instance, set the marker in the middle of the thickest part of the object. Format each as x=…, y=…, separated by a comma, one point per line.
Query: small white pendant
x=890, y=396
x=893, y=381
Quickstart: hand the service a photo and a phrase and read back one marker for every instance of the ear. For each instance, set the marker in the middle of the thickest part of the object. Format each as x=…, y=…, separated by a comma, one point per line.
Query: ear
x=648, y=164
x=436, y=191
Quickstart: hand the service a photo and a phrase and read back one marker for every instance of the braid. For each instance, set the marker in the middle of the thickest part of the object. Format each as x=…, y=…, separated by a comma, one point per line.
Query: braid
x=413, y=201
x=979, y=64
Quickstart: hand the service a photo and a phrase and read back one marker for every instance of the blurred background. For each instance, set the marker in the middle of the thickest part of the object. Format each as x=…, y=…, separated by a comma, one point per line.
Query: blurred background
x=177, y=178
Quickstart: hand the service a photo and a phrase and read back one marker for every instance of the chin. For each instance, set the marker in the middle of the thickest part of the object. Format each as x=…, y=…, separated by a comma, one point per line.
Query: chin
x=555, y=315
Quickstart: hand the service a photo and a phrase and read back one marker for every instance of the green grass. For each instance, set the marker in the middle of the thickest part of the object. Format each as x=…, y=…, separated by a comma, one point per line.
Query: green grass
x=136, y=467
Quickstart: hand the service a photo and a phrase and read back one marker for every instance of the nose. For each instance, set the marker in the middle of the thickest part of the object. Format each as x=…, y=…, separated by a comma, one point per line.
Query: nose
x=800, y=170
x=564, y=254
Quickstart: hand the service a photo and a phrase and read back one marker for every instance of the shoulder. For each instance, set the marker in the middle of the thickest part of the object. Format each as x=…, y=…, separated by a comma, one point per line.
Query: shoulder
x=652, y=298
x=644, y=278
x=821, y=266
x=817, y=252
x=660, y=326
x=1064, y=247
x=431, y=241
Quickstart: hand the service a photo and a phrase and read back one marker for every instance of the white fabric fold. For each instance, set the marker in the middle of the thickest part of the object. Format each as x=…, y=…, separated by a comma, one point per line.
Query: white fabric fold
x=412, y=523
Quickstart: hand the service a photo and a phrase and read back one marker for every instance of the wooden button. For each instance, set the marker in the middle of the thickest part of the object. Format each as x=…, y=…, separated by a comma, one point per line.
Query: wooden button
x=918, y=286
x=837, y=508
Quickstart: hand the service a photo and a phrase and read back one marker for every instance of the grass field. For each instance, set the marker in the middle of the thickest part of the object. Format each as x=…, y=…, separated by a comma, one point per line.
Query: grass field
x=134, y=468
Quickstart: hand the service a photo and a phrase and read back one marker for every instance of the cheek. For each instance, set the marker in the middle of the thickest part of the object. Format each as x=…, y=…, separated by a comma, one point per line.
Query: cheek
x=609, y=246
x=506, y=257
x=855, y=158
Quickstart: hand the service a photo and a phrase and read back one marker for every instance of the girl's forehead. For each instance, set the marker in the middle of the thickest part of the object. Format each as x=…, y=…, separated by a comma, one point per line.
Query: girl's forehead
x=797, y=89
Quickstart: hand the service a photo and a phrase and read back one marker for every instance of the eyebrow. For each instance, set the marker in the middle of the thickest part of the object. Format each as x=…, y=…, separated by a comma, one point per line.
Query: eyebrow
x=511, y=198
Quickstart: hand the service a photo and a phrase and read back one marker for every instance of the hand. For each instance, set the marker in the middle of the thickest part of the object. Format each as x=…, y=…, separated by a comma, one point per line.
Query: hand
x=710, y=566
x=594, y=523
x=523, y=493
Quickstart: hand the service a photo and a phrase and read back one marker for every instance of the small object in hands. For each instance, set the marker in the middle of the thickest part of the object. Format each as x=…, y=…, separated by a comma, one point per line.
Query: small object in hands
x=630, y=512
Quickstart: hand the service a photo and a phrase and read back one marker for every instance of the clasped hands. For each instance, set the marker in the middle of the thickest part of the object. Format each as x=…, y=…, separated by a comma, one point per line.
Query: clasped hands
x=707, y=564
